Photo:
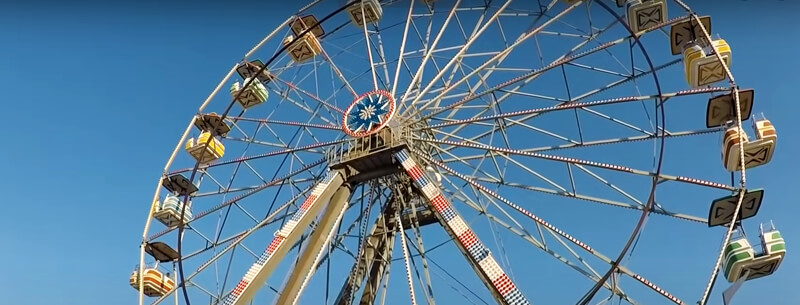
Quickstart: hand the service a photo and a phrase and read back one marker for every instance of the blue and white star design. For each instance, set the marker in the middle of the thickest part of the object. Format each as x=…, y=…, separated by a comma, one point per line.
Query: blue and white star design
x=368, y=113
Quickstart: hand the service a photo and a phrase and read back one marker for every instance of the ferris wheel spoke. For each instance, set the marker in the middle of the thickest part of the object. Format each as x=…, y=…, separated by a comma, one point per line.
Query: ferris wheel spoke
x=312, y=96
x=258, y=140
x=520, y=231
x=401, y=53
x=428, y=53
x=232, y=242
x=425, y=48
x=294, y=155
x=384, y=64
x=494, y=61
x=367, y=41
x=589, y=143
x=613, y=167
x=632, y=77
x=530, y=76
x=235, y=190
x=378, y=46
x=308, y=148
x=305, y=107
x=531, y=113
x=497, y=59
x=459, y=56
x=476, y=169
x=287, y=123
x=566, y=58
x=338, y=73
x=247, y=164
x=550, y=228
x=571, y=103
x=205, y=291
x=245, y=195
x=569, y=194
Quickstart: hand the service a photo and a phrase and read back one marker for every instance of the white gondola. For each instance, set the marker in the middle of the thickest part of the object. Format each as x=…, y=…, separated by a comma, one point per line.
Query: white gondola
x=205, y=148
x=302, y=48
x=701, y=65
x=645, y=14
x=155, y=284
x=365, y=10
x=168, y=212
x=255, y=94
x=756, y=153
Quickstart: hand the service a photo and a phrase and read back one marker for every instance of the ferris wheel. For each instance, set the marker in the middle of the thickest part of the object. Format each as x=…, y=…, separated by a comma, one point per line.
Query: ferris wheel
x=464, y=151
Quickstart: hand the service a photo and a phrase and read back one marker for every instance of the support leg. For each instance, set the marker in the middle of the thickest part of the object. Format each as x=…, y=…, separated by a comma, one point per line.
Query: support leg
x=319, y=239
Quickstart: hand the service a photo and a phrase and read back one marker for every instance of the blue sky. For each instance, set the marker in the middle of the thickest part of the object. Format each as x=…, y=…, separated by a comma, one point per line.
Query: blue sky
x=96, y=98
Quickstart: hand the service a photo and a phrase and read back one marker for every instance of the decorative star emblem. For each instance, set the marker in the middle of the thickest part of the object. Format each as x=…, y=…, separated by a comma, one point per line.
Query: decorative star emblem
x=368, y=113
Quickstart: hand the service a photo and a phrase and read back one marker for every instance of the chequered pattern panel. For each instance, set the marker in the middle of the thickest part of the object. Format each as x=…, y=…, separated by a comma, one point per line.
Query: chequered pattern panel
x=464, y=234
x=279, y=239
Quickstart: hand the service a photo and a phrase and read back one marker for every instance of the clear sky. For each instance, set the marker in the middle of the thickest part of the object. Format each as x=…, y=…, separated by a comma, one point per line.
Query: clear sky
x=95, y=96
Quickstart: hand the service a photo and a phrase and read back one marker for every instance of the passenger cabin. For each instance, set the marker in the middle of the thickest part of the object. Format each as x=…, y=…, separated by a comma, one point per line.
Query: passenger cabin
x=365, y=10
x=645, y=14
x=161, y=252
x=205, y=148
x=721, y=109
x=250, y=69
x=701, y=65
x=178, y=184
x=303, y=48
x=741, y=258
x=256, y=93
x=681, y=33
x=212, y=123
x=155, y=284
x=722, y=209
x=756, y=153
x=301, y=24
x=169, y=211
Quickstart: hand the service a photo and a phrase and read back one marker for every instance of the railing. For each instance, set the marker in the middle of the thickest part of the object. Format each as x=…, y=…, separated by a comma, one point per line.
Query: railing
x=354, y=148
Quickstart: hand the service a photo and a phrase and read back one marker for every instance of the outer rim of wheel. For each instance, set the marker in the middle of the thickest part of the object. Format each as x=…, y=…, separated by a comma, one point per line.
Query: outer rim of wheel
x=654, y=186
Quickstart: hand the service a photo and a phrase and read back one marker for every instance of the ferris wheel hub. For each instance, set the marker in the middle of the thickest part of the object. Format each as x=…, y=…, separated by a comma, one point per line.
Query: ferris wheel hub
x=368, y=113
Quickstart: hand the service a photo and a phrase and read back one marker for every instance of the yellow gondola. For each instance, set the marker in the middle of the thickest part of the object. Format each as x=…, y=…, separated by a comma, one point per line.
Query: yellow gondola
x=756, y=152
x=203, y=153
x=701, y=65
